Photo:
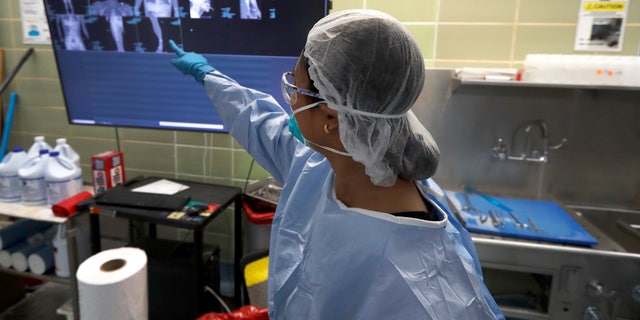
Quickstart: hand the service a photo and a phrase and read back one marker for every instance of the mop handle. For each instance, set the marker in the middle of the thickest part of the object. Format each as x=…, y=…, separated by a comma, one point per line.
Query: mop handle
x=7, y=124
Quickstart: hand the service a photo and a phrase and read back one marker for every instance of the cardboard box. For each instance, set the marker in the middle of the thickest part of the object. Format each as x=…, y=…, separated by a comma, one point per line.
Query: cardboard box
x=108, y=170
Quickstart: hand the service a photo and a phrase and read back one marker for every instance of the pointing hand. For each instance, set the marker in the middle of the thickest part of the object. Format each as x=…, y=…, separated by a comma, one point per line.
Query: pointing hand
x=190, y=63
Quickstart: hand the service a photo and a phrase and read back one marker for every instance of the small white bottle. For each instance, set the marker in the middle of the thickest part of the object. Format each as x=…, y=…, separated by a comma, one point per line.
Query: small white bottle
x=38, y=144
x=67, y=151
x=9, y=180
x=61, y=254
x=31, y=175
x=62, y=177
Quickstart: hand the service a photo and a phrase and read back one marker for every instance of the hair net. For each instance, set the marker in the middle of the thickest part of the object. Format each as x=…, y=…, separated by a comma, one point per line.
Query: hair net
x=370, y=70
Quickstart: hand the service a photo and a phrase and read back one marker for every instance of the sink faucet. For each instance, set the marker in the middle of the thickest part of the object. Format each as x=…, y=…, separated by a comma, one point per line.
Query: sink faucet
x=535, y=154
x=500, y=151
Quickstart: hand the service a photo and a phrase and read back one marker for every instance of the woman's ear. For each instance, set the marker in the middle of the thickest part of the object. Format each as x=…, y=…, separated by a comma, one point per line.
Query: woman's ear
x=330, y=115
x=328, y=112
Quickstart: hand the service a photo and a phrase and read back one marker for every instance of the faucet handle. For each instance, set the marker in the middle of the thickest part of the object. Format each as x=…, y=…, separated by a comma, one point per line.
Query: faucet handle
x=500, y=150
x=562, y=144
x=536, y=154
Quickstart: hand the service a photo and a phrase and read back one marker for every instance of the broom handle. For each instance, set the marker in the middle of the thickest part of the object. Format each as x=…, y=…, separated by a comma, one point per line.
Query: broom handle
x=15, y=71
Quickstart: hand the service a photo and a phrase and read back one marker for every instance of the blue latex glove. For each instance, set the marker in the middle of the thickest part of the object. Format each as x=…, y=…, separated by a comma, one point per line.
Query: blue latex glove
x=190, y=63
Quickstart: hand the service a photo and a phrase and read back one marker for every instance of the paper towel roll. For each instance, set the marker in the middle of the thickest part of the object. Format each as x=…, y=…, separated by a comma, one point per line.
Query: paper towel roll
x=19, y=258
x=41, y=260
x=112, y=284
x=5, y=254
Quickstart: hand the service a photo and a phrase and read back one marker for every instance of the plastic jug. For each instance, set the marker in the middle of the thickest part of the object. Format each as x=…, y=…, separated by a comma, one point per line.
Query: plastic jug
x=38, y=144
x=9, y=179
x=33, y=191
x=66, y=151
x=62, y=177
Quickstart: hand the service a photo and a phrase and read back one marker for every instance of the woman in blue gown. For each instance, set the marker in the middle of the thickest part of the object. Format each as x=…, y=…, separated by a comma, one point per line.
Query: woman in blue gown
x=360, y=230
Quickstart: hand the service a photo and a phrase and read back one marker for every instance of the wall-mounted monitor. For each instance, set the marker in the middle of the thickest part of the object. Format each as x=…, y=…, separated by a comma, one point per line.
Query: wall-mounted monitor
x=113, y=56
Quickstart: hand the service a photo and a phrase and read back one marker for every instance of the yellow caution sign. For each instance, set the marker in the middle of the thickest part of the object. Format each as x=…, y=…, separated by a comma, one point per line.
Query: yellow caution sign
x=604, y=6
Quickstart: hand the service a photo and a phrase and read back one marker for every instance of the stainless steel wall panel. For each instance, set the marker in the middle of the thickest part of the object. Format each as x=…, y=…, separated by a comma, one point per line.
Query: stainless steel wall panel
x=599, y=166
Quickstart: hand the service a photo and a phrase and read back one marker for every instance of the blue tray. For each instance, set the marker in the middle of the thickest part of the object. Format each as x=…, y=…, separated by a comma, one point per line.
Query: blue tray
x=540, y=220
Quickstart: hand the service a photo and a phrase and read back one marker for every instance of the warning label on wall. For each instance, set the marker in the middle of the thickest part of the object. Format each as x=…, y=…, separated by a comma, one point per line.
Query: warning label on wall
x=601, y=25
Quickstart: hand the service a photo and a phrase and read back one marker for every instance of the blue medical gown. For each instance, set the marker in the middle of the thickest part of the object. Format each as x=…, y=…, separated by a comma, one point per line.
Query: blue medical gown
x=328, y=261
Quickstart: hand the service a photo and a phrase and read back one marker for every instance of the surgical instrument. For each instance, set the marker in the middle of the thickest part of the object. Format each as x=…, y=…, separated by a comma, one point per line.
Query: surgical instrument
x=533, y=227
x=519, y=224
x=495, y=202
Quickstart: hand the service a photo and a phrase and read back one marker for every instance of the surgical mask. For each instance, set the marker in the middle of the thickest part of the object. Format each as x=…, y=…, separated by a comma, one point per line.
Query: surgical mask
x=293, y=124
x=295, y=129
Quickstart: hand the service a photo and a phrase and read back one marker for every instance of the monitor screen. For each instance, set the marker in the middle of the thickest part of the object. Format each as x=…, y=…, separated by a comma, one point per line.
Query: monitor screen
x=113, y=56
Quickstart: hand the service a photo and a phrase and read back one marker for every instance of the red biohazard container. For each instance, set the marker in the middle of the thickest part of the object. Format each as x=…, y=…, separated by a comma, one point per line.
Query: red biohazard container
x=259, y=204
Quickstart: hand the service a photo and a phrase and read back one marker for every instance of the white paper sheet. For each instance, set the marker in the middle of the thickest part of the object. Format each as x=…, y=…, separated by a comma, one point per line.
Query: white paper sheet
x=162, y=186
x=35, y=29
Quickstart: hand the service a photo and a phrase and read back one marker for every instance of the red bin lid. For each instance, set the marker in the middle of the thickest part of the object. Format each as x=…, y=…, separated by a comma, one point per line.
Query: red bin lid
x=258, y=214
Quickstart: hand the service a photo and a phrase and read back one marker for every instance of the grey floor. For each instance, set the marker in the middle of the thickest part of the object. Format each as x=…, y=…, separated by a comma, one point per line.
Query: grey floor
x=43, y=301
x=41, y=304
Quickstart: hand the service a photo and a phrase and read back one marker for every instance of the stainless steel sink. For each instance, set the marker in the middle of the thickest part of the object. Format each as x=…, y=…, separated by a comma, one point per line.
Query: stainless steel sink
x=568, y=281
x=622, y=227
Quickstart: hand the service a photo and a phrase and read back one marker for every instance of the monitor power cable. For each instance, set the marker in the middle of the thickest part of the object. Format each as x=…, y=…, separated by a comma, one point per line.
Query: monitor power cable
x=215, y=295
x=246, y=181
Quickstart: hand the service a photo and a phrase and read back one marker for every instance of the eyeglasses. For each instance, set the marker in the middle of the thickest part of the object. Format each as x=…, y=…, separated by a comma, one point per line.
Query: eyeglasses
x=289, y=90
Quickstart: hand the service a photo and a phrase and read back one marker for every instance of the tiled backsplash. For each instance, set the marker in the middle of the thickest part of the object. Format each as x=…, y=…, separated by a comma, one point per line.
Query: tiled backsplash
x=451, y=33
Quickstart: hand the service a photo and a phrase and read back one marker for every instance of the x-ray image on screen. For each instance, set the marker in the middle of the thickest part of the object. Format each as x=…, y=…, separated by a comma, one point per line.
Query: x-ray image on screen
x=200, y=9
x=249, y=9
x=253, y=27
x=114, y=65
x=72, y=31
x=113, y=11
x=117, y=25
x=153, y=34
x=67, y=6
x=155, y=10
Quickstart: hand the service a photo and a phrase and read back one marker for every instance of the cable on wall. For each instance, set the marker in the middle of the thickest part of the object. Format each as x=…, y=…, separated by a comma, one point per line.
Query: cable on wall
x=117, y=139
x=246, y=181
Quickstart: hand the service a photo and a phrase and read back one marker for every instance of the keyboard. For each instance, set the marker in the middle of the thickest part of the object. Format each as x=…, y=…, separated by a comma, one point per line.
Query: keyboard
x=144, y=200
